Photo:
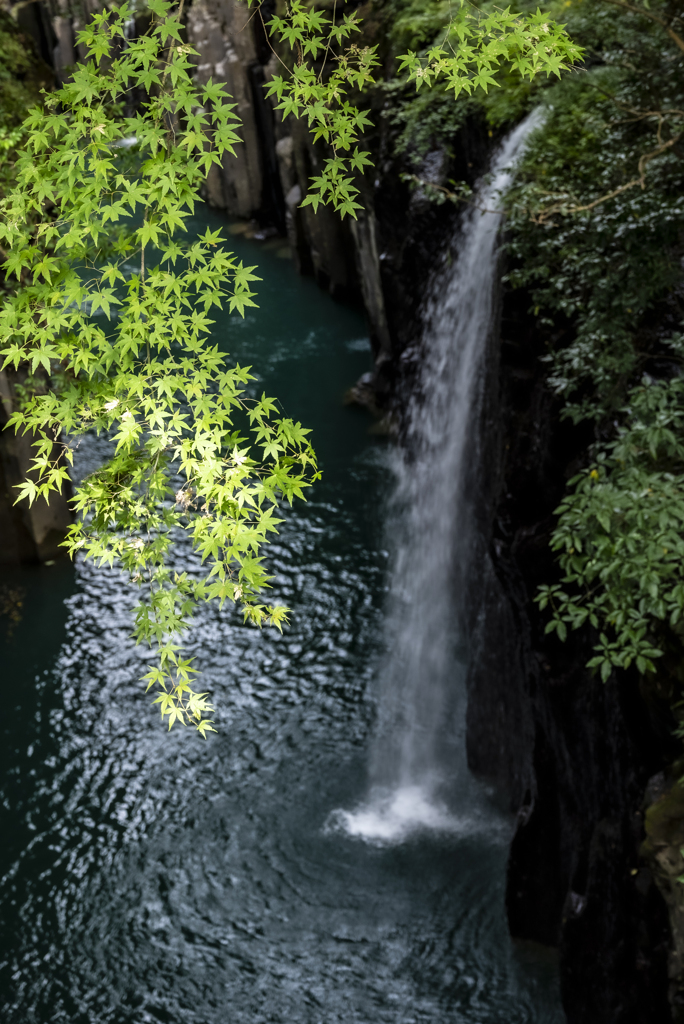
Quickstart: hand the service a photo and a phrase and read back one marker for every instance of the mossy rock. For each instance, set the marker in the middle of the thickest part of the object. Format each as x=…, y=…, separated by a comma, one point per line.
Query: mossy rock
x=664, y=826
x=664, y=822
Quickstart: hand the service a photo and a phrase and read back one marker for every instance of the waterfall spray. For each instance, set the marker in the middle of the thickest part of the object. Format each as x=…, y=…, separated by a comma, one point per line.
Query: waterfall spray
x=418, y=751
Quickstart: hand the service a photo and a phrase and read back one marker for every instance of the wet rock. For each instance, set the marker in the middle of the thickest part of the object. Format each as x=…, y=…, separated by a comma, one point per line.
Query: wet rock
x=662, y=849
x=221, y=32
x=27, y=533
x=574, y=754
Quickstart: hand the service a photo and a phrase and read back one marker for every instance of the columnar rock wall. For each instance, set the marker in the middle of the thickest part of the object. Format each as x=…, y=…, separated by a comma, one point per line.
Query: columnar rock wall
x=577, y=756
x=221, y=32
x=267, y=178
x=27, y=532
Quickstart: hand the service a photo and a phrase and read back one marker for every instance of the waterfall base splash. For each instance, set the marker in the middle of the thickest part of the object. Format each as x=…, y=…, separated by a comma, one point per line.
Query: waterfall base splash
x=393, y=816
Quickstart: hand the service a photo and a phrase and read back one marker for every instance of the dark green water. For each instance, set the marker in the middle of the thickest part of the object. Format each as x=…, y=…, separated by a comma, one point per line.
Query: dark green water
x=146, y=877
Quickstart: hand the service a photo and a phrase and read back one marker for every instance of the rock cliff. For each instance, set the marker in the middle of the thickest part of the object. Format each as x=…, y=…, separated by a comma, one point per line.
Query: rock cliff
x=577, y=756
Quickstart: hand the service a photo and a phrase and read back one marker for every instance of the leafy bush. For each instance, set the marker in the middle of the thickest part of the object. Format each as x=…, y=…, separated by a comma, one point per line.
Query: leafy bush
x=596, y=224
x=621, y=534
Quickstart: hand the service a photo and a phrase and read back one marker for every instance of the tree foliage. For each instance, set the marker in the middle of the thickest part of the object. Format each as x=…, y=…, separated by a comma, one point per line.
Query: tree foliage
x=319, y=89
x=115, y=295
x=476, y=44
x=595, y=228
x=330, y=72
x=620, y=534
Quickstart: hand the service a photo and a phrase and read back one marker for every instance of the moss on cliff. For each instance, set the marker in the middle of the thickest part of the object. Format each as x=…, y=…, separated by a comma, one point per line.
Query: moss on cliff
x=662, y=850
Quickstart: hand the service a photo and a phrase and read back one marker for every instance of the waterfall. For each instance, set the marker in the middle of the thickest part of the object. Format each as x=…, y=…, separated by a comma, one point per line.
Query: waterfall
x=418, y=774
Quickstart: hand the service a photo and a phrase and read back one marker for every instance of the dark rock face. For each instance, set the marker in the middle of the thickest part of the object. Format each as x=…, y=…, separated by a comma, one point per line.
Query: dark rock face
x=574, y=754
x=27, y=533
x=574, y=872
x=664, y=823
x=221, y=32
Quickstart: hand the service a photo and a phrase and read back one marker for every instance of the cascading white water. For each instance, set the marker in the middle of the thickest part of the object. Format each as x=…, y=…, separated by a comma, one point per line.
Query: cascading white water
x=419, y=745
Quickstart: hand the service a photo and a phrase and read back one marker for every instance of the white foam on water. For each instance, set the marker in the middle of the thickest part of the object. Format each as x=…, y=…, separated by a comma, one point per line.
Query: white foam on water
x=389, y=818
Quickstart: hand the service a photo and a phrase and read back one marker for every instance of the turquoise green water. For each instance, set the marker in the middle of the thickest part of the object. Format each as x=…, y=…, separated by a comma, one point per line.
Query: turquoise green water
x=146, y=877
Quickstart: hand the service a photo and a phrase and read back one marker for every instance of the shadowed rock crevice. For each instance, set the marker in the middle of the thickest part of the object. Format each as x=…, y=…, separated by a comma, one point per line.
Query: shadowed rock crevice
x=574, y=754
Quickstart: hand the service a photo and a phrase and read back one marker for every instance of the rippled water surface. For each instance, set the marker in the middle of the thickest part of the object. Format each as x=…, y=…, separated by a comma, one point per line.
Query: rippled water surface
x=147, y=877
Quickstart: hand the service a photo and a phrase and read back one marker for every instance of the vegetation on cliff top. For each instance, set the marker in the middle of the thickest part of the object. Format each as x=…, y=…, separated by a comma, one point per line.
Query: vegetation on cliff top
x=595, y=236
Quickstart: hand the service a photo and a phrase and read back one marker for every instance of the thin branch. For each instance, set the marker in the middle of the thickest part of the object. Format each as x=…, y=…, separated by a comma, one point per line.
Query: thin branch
x=677, y=39
x=327, y=49
x=656, y=152
x=452, y=195
x=541, y=218
x=638, y=114
x=270, y=44
x=256, y=11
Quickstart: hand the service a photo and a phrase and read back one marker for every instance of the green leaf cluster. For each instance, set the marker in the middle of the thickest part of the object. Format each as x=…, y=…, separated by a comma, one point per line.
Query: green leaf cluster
x=477, y=44
x=114, y=302
x=329, y=70
x=620, y=534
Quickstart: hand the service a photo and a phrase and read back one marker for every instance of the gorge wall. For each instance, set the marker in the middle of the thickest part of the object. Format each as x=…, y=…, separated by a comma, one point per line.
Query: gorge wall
x=582, y=760
x=28, y=47
x=584, y=764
